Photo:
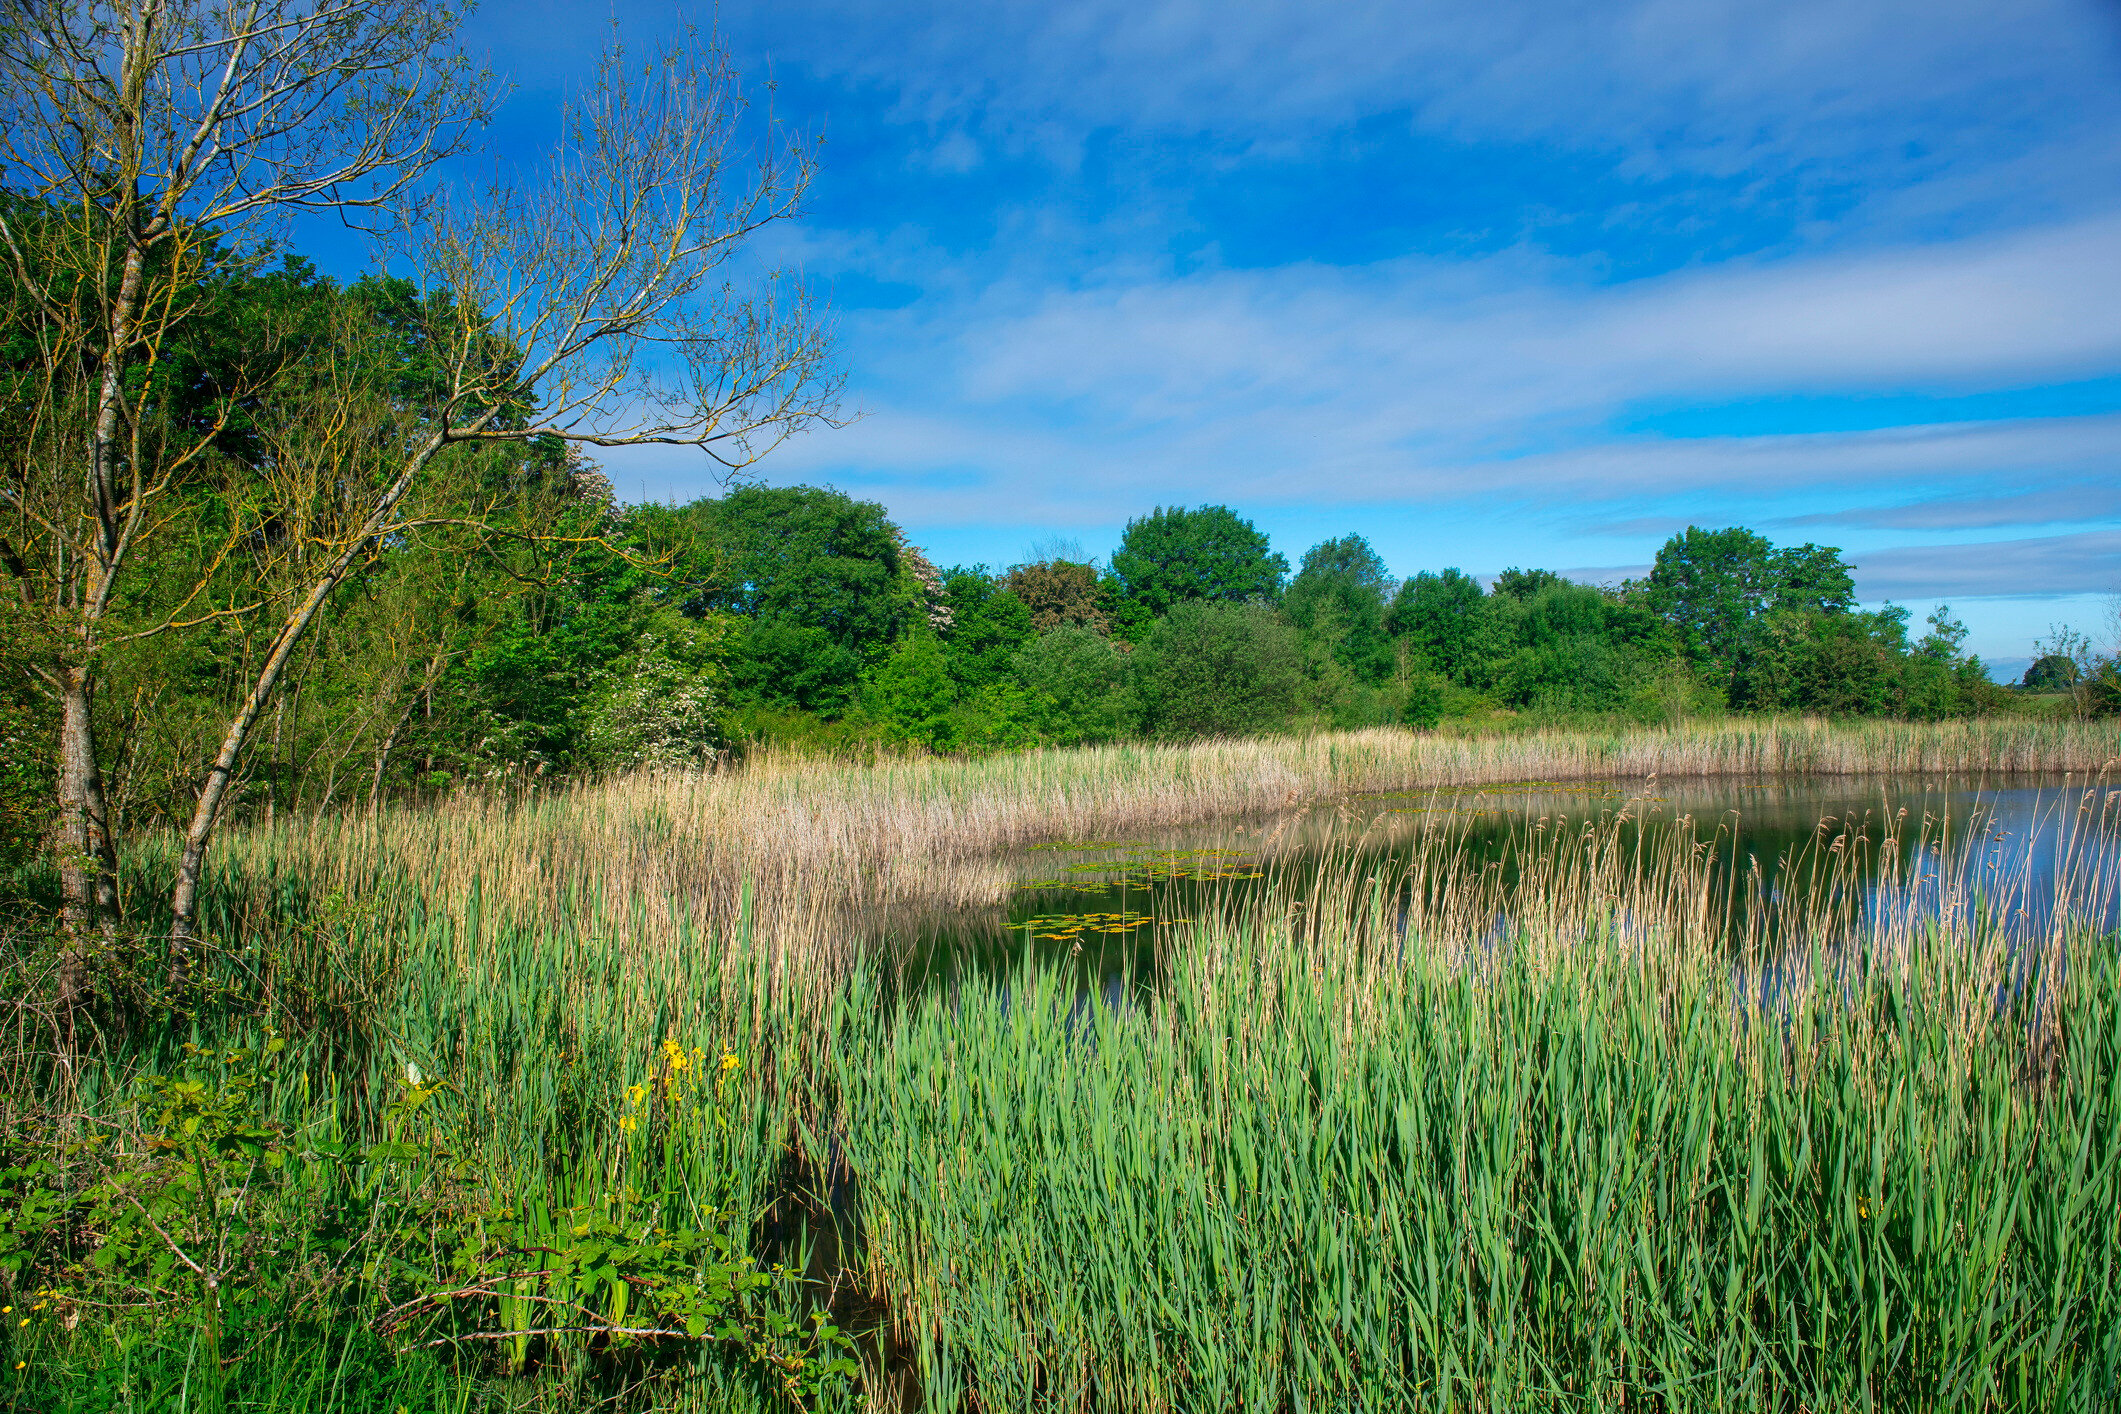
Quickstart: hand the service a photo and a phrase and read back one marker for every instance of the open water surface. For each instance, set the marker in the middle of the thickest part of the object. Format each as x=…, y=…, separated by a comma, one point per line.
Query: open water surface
x=2015, y=847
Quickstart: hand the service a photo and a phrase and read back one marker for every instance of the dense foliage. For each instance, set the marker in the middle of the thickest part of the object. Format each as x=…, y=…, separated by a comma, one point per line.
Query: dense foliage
x=528, y=624
x=518, y=1100
x=662, y=635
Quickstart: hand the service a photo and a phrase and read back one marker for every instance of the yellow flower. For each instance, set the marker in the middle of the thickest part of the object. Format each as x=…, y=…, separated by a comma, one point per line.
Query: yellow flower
x=729, y=1061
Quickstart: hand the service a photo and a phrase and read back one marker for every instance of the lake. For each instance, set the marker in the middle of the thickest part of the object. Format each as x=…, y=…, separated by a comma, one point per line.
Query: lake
x=1862, y=851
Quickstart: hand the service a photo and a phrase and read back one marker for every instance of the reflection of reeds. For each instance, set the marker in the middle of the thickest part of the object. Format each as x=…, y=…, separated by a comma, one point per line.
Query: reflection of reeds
x=829, y=850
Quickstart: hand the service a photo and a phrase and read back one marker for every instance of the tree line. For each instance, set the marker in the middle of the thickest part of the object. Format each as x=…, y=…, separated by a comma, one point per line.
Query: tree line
x=275, y=542
x=1195, y=626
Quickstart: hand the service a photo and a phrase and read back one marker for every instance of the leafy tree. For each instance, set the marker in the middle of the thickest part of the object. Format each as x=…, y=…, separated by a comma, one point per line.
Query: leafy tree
x=2089, y=678
x=1424, y=702
x=1000, y=715
x=1174, y=556
x=1945, y=637
x=1848, y=663
x=1811, y=579
x=611, y=662
x=1339, y=595
x=910, y=691
x=660, y=703
x=988, y=625
x=1059, y=594
x=1576, y=647
x=1450, y=626
x=2051, y=672
x=1076, y=684
x=1212, y=668
x=1710, y=585
x=1333, y=694
x=1714, y=587
x=151, y=130
x=782, y=663
x=818, y=575
x=1523, y=584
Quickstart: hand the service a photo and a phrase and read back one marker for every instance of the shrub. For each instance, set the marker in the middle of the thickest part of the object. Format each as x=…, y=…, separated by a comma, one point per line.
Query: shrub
x=1075, y=685
x=1209, y=669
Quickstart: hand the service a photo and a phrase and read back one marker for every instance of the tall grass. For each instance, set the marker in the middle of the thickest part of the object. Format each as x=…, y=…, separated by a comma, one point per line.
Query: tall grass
x=1524, y=1190
x=483, y=1099
x=830, y=852
x=1405, y=1156
x=1447, y=1132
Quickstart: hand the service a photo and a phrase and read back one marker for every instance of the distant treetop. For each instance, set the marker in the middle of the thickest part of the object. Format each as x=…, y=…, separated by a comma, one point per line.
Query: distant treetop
x=1173, y=555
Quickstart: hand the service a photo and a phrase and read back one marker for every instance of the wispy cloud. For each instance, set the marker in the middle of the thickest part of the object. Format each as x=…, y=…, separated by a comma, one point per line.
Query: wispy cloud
x=1410, y=267
x=2088, y=562
x=1497, y=377
x=1610, y=73
x=2048, y=505
x=2038, y=567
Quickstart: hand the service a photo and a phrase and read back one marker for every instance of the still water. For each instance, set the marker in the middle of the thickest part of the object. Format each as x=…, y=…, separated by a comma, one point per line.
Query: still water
x=2018, y=849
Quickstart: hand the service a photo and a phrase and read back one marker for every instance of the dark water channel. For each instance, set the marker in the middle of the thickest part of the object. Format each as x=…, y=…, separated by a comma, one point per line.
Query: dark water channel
x=1911, y=847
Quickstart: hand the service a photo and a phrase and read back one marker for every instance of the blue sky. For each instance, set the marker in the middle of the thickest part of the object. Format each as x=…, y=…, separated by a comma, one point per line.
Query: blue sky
x=1492, y=282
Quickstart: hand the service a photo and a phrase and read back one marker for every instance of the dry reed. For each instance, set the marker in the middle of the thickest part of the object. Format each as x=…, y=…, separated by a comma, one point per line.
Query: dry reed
x=819, y=852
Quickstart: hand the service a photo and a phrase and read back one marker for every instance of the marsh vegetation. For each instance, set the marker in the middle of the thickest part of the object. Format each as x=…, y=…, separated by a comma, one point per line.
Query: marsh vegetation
x=634, y=1092
x=473, y=944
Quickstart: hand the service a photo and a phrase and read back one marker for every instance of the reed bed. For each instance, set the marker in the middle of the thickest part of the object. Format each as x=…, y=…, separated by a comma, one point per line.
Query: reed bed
x=1453, y=1141
x=825, y=853
x=428, y=1197
x=1440, y=1130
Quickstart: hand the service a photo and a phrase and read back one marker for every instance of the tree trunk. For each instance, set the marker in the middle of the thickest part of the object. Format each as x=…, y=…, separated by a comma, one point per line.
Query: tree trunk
x=390, y=742
x=206, y=814
x=88, y=859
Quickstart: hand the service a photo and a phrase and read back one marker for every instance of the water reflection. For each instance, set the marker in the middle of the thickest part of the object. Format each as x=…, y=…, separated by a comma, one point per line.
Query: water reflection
x=1759, y=863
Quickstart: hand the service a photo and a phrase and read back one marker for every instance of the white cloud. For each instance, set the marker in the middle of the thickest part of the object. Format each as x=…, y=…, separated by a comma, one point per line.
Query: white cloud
x=1727, y=86
x=1436, y=380
x=1517, y=335
x=2047, y=505
x=1058, y=372
x=2088, y=562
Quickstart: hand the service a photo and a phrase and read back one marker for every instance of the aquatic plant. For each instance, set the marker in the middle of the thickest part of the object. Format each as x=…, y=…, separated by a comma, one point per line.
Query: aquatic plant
x=1438, y=1135
x=813, y=855
x=1364, y=1150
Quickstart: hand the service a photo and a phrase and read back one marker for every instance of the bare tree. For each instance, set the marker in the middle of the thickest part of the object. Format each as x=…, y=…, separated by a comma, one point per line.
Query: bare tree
x=608, y=304
x=144, y=142
x=615, y=301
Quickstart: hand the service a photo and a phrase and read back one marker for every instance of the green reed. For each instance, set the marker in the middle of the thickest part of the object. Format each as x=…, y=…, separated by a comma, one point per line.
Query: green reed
x=437, y=1196
x=1360, y=1147
x=1302, y=1178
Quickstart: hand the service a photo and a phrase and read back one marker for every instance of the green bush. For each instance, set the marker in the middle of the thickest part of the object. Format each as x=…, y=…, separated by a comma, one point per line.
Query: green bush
x=911, y=692
x=1213, y=669
x=1076, y=687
